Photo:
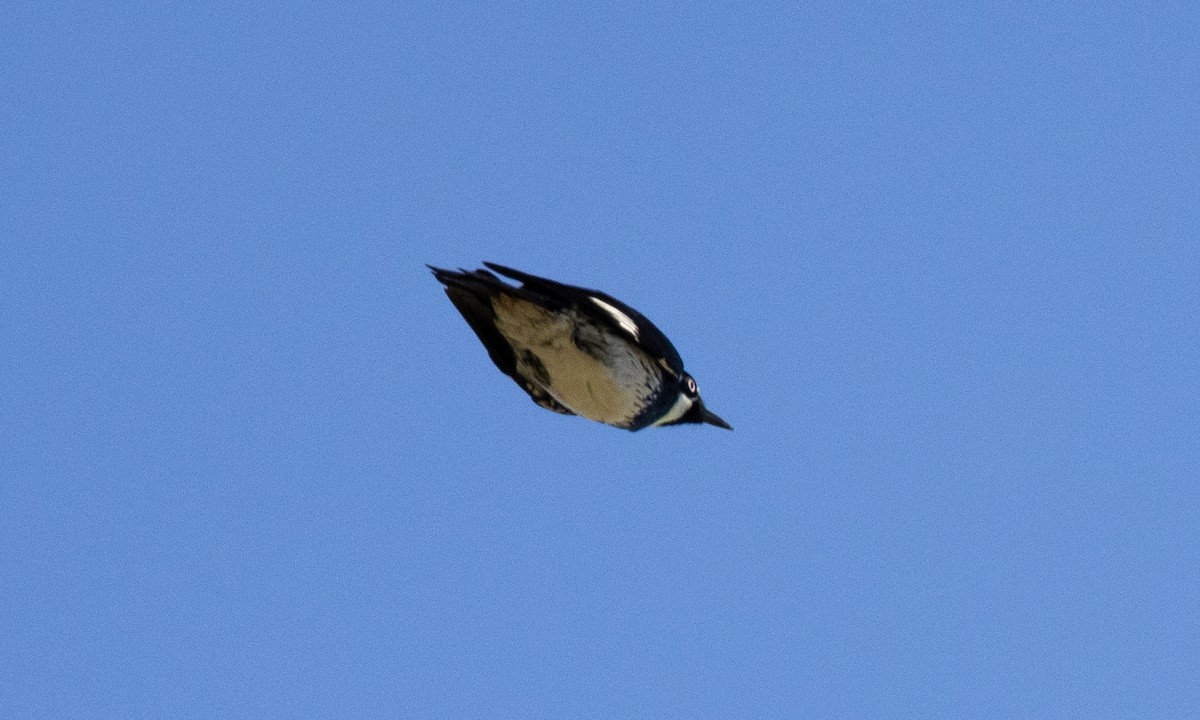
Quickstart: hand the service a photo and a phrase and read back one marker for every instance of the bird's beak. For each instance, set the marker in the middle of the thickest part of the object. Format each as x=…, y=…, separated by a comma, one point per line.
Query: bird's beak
x=712, y=418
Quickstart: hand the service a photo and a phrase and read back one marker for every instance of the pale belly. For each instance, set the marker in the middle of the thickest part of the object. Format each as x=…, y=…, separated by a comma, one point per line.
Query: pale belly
x=581, y=381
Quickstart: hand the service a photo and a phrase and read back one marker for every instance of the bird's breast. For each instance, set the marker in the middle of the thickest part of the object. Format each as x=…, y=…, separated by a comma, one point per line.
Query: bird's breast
x=590, y=370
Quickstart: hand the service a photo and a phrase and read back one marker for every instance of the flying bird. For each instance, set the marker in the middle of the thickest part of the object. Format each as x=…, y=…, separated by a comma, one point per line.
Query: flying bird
x=577, y=351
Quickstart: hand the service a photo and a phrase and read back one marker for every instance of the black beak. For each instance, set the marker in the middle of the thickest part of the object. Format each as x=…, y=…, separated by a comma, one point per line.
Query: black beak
x=710, y=417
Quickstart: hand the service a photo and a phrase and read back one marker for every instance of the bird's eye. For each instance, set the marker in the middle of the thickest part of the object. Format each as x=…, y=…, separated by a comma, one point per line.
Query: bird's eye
x=691, y=386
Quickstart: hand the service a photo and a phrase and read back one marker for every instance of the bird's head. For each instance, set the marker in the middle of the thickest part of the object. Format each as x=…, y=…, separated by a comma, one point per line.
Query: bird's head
x=689, y=407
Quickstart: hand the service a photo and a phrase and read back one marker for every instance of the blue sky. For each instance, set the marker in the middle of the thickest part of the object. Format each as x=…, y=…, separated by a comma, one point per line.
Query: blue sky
x=937, y=264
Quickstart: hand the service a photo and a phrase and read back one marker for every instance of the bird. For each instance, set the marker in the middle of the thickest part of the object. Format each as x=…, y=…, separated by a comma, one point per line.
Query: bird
x=577, y=351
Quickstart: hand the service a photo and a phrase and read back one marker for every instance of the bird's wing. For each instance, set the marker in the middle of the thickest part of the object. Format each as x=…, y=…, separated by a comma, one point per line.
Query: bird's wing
x=603, y=307
x=471, y=293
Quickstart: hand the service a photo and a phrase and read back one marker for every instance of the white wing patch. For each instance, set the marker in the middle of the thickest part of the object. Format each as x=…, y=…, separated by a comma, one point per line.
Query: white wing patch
x=627, y=324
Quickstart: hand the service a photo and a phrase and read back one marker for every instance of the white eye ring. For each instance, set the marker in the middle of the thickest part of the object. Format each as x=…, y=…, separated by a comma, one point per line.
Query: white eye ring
x=691, y=385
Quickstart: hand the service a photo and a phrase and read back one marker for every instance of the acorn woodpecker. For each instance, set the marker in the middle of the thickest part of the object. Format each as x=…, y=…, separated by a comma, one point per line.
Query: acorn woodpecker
x=577, y=351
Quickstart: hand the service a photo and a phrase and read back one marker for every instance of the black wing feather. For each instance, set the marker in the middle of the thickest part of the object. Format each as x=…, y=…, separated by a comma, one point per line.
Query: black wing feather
x=471, y=293
x=649, y=336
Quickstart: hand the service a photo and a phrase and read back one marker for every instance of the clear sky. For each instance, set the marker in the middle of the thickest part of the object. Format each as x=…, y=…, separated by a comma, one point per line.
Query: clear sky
x=936, y=263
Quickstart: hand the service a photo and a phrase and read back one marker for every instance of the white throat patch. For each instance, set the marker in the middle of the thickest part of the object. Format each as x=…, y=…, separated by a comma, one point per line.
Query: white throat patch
x=682, y=404
x=627, y=324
